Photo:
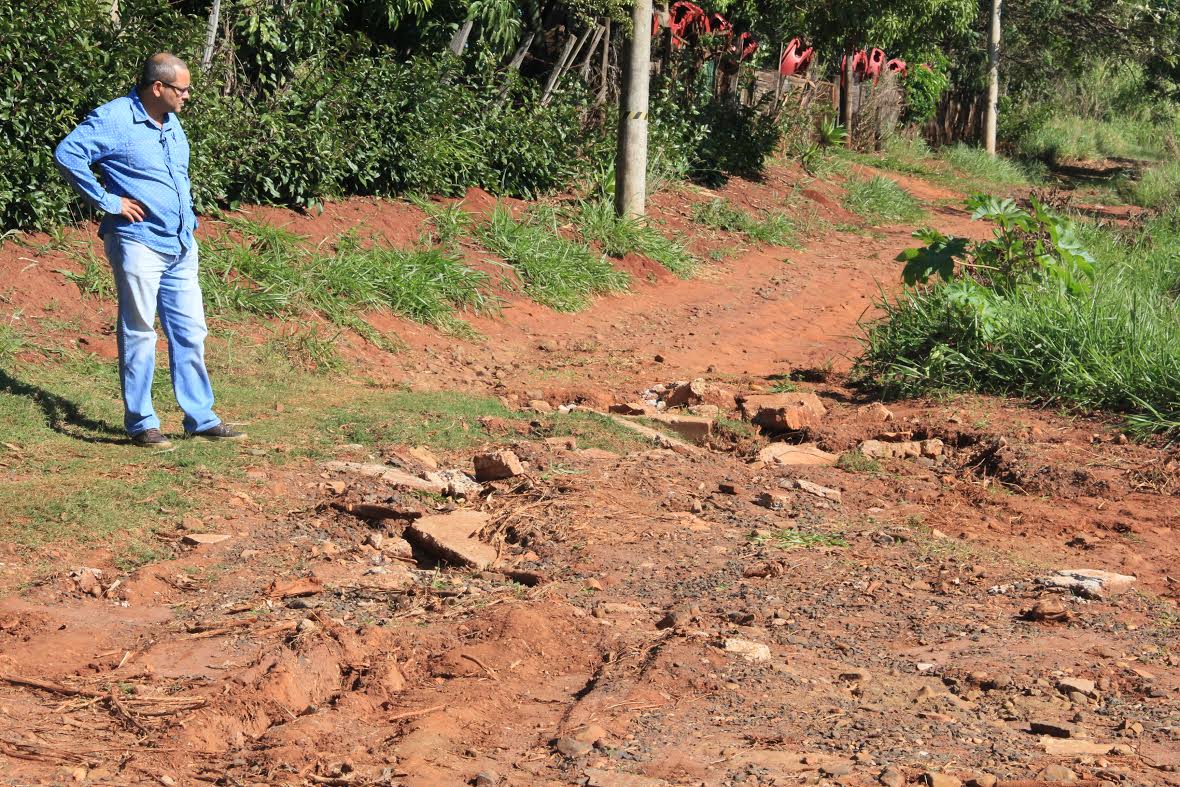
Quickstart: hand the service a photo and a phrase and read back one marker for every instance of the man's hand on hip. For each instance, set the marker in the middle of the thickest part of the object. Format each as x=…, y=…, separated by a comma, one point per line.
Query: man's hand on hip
x=132, y=210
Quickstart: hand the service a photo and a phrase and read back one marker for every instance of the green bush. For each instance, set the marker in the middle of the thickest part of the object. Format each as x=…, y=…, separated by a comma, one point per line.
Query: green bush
x=924, y=87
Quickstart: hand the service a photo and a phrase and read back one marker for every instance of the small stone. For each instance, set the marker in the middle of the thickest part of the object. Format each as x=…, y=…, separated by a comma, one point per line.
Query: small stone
x=783, y=412
x=772, y=501
x=1090, y=583
x=932, y=779
x=497, y=466
x=856, y=675
x=197, y=539
x=817, y=490
x=486, y=779
x=836, y=769
x=728, y=488
x=540, y=406
x=672, y=620
x=592, y=734
x=1057, y=773
x=572, y=748
x=1058, y=729
x=750, y=651
x=1079, y=685
x=890, y=777
x=876, y=411
x=165, y=780
x=1050, y=610
x=686, y=394
x=249, y=554
x=374, y=539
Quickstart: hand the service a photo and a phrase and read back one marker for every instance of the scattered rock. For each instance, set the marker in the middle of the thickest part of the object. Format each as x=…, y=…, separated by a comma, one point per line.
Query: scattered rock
x=1074, y=748
x=390, y=475
x=983, y=780
x=876, y=411
x=592, y=734
x=1057, y=773
x=197, y=539
x=788, y=454
x=750, y=651
x=453, y=538
x=572, y=748
x=783, y=412
x=694, y=428
x=835, y=769
x=903, y=449
x=1053, y=727
x=890, y=777
x=856, y=675
x=89, y=581
x=1050, y=610
x=772, y=501
x=817, y=490
x=686, y=394
x=729, y=488
x=497, y=466
x=456, y=484
x=540, y=406
x=1080, y=685
x=486, y=779
x=305, y=586
x=932, y=779
x=631, y=408
x=1090, y=583
x=597, y=777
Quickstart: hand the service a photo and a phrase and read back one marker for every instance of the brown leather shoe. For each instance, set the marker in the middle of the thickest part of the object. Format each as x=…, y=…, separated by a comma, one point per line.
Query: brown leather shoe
x=219, y=432
x=150, y=438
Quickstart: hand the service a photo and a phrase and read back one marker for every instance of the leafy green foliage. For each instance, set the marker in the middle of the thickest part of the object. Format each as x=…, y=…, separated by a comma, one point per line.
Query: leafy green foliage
x=556, y=272
x=831, y=133
x=1034, y=246
x=924, y=86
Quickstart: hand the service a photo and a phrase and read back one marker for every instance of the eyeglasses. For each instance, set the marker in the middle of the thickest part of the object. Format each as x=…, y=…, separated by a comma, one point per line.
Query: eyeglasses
x=183, y=91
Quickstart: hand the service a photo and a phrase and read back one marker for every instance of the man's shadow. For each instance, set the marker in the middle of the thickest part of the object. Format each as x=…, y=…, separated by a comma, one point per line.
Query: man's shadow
x=62, y=415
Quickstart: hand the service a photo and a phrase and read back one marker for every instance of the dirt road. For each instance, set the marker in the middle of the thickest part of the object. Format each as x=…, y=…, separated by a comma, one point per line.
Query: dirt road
x=690, y=612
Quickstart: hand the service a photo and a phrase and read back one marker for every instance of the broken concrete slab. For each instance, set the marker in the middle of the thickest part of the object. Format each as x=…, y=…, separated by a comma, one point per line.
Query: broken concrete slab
x=390, y=475
x=198, y=539
x=1090, y=583
x=686, y=394
x=750, y=651
x=694, y=428
x=454, y=538
x=902, y=449
x=497, y=466
x=804, y=485
x=656, y=436
x=788, y=454
x=783, y=412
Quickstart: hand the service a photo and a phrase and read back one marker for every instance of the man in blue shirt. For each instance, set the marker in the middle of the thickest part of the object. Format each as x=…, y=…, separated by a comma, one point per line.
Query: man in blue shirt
x=139, y=147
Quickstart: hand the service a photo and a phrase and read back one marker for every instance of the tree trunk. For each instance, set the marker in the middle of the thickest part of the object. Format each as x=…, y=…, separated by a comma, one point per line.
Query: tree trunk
x=631, y=158
x=211, y=35
x=993, y=79
x=846, y=96
x=459, y=39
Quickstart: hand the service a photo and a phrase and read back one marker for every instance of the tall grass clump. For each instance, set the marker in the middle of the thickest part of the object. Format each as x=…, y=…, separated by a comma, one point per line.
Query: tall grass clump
x=268, y=271
x=1043, y=333
x=978, y=164
x=619, y=236
x=773, y=229
x=881, y=201
x=555, y=271
x=1158, y=186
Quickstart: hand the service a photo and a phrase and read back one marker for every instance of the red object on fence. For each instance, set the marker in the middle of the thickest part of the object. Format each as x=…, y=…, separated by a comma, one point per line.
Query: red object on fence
x=746, y=46
x=897, y=66
x=874, y=62
x=794, y=61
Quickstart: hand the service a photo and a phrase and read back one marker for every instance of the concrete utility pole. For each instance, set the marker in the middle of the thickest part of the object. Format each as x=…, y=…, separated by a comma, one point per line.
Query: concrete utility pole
x=993, y=80
x=631, y=159
x=210, y=35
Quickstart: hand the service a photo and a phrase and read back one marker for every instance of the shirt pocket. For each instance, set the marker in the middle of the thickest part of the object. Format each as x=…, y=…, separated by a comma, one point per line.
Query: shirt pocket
x=143, y=156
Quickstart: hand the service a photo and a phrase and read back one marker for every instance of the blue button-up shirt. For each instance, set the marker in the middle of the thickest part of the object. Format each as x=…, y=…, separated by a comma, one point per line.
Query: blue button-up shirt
x=140, y=160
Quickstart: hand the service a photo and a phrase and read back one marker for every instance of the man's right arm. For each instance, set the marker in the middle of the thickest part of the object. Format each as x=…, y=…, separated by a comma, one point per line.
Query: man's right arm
x=75, y=154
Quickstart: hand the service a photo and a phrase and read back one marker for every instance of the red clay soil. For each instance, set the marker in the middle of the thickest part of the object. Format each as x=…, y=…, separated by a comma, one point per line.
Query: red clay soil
x=689, y=615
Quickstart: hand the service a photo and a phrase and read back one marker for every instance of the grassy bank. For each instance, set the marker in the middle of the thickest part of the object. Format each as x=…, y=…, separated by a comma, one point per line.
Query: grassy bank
x=1114, y=347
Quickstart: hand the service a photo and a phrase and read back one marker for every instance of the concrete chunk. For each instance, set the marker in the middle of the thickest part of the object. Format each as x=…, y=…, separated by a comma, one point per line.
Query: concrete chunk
x=454, y=538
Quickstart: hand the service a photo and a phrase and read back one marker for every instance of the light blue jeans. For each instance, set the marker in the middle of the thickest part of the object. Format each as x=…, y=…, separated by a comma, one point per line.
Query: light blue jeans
x=149, y=281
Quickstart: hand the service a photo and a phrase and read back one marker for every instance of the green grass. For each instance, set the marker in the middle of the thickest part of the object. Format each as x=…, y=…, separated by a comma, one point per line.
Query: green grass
x=449, y=222
x=556, y=272
x=978, y=165
x=270, y=272
x=597, y=222
x=95, y=280
x=12, y=341
x=879, y=200
x=1068, y=136
x=790, y=538
x=856, y=462
x=1158, y=186
x=772, y=229
x=1115, y=347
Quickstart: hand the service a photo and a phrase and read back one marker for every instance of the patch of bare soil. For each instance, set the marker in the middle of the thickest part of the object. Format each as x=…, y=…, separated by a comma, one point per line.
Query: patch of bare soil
x=692, y=612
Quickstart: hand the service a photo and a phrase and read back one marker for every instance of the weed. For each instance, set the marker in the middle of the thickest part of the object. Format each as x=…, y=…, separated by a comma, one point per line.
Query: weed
x=979, y=164
x=831, y=133
x=738, y=430
x=1158, y=186
x=556, y=272
x=12, y=340
x=881, y=201
x=774, y=229
x=791, y=538
x=784, y=386
x=450, y=222
x=619, y=236
x=95, y=280
x=307, y=350
x=856, y=462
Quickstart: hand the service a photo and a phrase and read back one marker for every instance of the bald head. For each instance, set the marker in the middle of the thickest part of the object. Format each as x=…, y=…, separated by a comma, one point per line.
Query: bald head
x=161, y=67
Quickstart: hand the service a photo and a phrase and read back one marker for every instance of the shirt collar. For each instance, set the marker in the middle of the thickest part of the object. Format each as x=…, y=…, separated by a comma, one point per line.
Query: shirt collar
x=140, y=114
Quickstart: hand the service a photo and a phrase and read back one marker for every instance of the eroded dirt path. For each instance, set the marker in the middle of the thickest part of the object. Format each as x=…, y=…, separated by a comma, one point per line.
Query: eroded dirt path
x=665, y=615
